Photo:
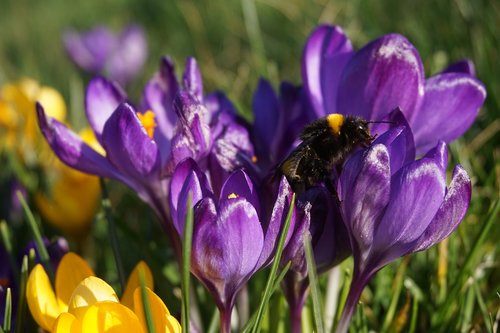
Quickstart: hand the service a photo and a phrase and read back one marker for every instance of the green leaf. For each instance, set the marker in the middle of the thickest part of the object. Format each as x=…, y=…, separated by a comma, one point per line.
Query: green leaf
x=186, y=263
x=313, y=284
x=274, y=270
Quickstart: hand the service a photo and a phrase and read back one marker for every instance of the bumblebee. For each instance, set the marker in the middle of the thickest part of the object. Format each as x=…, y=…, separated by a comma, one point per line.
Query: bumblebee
x=326, y=142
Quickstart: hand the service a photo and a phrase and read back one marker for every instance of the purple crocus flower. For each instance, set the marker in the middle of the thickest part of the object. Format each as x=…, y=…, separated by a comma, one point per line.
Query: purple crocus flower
x=99, y=51
x=141, y=146
x=233, y=235
x=393, y=206
x=279, y=118
x=385, y=74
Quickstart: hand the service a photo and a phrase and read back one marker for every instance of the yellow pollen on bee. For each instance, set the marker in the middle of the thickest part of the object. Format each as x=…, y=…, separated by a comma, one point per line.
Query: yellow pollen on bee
x=147, y=120
x=232, y=196
x=335, y=121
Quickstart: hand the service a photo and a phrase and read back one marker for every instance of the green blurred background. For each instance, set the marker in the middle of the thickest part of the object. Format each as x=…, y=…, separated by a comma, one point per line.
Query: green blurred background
x=236, y=42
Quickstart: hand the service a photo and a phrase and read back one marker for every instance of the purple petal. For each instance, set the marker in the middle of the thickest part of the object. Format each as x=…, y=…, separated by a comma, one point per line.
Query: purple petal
x=326, y=53
x=221, y=112
x=294, y=115
x=129, y=55
x=417, y=191
x=451, y=212
x=159, y=95
x=272, y=225
x=294, y=250
x=101, y=100
x=70, y=148
x=452, y=102
x=266, y=113
x=399, y=142
x=383, y=75
x=226, y=251
x=187, y=178
x=463, y=66
x=89, y=50
x=128, y=145
x=365, y=193
x=238, y=184
x=233, y=148
x=192, y=79
x=440, y=155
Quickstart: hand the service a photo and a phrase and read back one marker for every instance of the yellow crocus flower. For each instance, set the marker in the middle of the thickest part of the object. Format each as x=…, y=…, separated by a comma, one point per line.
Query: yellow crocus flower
x=92, y=304
x=18, y=124
x=70, y=199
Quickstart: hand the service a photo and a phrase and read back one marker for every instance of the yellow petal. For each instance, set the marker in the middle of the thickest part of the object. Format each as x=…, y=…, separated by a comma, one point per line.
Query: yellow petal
x=42, y=301
x=52, y=102
x=134, y=282
x=71, y=271
x=72, y=201
x=110, y=317
x=88, y=136
x=91, y=291
x=163, y=321
x=67, y=323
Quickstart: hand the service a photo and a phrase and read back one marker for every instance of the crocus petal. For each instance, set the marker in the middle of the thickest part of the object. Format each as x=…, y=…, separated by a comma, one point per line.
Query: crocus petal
x=71, y=149
x=89, y=50
x=326, y=53
x=226, y=250
x=365, y=192
x=440, y=155
x=400, y=144
x=110, y=317
x=128, y=145
x=67, y=323
x=238, y=184
x=451, y=212
x=453, y=99
x=134, y=281
x=417, y=192
x=90, y=291
x=128, y=57
x=162, y=320
x=233, y=148
x=72, y=270
x=331, y=244
x=294, y=116
x=383, y=75
x=159, y=94
x=277, y=219
x=463, y=66
x=192, y=79
x=41, y=298
x=101, y=100
x=187, y=179
x=266, y=113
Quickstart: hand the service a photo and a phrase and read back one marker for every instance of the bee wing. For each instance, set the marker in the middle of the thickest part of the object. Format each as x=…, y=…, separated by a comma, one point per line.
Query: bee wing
x=290, y=167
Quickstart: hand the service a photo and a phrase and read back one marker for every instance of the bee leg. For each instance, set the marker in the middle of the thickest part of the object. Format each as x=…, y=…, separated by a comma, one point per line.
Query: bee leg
x=331, y=188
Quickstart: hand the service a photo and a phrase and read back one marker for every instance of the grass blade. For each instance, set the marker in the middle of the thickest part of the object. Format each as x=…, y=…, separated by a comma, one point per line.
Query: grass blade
x=186, y=263
x=274, y=269
x=313, y=284
x=37, y=236
x=113, y=238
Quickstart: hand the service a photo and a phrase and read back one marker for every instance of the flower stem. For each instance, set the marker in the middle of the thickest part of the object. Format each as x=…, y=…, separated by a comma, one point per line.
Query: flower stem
x=225, y=319
x=113, y=238
x=296, y=318
x=358, y=284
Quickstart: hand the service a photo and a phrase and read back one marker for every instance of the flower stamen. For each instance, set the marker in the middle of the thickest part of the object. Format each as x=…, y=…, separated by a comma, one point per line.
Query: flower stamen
x=147, y=120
